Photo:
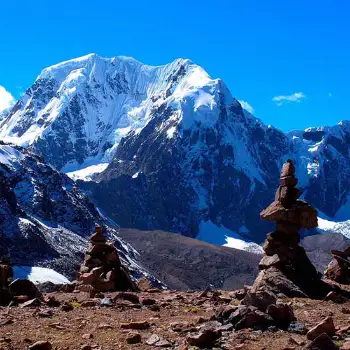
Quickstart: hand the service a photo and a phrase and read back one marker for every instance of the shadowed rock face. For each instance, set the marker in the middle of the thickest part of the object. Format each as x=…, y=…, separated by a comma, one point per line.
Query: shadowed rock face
x=44, y=214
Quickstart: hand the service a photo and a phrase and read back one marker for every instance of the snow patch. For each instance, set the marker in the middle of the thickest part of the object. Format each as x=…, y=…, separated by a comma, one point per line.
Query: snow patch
x=87, y=173
x=220, y=235
x=39, y=274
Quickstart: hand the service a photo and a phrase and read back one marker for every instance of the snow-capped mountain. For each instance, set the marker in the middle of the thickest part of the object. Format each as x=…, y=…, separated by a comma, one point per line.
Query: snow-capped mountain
x=44, y=218
x=173, y=149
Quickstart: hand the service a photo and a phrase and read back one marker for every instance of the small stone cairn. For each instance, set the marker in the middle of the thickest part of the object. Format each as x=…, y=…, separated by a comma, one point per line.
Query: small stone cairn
x=286, y=270
x=102, y=268
x=338, y=269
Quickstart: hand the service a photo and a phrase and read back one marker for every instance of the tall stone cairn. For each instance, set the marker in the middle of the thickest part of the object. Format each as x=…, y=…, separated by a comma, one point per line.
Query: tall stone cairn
x=285, y=269
x=102, y=268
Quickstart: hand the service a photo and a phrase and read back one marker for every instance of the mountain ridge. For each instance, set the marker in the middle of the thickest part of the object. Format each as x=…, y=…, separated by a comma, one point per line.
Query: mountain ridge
x=174, y=149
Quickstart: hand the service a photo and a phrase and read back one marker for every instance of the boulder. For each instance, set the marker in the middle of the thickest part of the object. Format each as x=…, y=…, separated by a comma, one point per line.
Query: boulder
x=24, y=287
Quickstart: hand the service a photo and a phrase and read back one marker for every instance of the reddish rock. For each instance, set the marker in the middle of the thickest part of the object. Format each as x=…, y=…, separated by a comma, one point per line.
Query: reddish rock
x=138, y=325
x=31, y=303
x=325, y=326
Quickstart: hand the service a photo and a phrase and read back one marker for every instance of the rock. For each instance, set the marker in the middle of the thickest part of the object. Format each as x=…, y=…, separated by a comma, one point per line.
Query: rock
x=335, y=297
x=322, y=342
x=153, y=339
x=87, y=336
x=133, y=338
x=104, y=326
x=41, y=345
x=139, y=325
x=89, y=303
x=143, y=284
x=148, y=301
x=223, y=313
x=47, y=287
x=133, y=298
x=259, y=298
x=67, y=288
x=158, y=341
x=282, y=313
x=51, y=301
x=24, y=287
x=86, y=347
x=205, y=339
x=107, y=302
x=346, y=346
x=31, y=303
x=338, y=269
x=250, y=317
x=67, y=306
x=325, y=326
x=268, y=261
x=182, y=327
x=45, y=313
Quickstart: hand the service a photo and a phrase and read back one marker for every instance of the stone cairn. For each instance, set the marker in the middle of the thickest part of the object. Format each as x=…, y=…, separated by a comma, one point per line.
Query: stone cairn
x=6, y=277
x=102, y=268
x=338, y=269
x=286, y=270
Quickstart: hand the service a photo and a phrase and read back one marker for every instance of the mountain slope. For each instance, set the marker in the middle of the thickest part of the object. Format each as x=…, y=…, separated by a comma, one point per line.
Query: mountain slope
x=44, y=218
x=172, y=148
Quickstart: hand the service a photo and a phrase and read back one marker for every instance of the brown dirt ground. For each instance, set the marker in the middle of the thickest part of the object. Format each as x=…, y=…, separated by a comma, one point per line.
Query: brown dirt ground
x=65, y=329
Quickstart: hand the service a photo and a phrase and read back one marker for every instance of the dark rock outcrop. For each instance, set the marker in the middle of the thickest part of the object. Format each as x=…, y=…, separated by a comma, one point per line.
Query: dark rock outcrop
x=6, y=276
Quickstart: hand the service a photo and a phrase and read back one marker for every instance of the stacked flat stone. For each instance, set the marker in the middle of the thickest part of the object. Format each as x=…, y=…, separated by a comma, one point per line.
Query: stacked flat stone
x=6, y=277
x=290, y=215
x=338, y=269
x=286, y=269
x=102, y=268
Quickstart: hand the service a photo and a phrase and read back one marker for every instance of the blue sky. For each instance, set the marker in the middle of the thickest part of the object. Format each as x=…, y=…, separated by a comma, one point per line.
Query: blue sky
x=288, y=59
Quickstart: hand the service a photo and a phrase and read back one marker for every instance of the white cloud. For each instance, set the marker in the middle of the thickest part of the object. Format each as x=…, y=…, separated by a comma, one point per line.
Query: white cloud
x=6, y=99
x=296, y=97
x=245, y=105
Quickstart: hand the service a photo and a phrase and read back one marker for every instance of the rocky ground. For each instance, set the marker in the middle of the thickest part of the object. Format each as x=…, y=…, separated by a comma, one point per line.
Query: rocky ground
x=155, y=319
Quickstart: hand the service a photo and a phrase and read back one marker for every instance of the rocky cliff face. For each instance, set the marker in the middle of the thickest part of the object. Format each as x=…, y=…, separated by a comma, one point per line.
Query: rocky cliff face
x=44, y=217
x=179, y=152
